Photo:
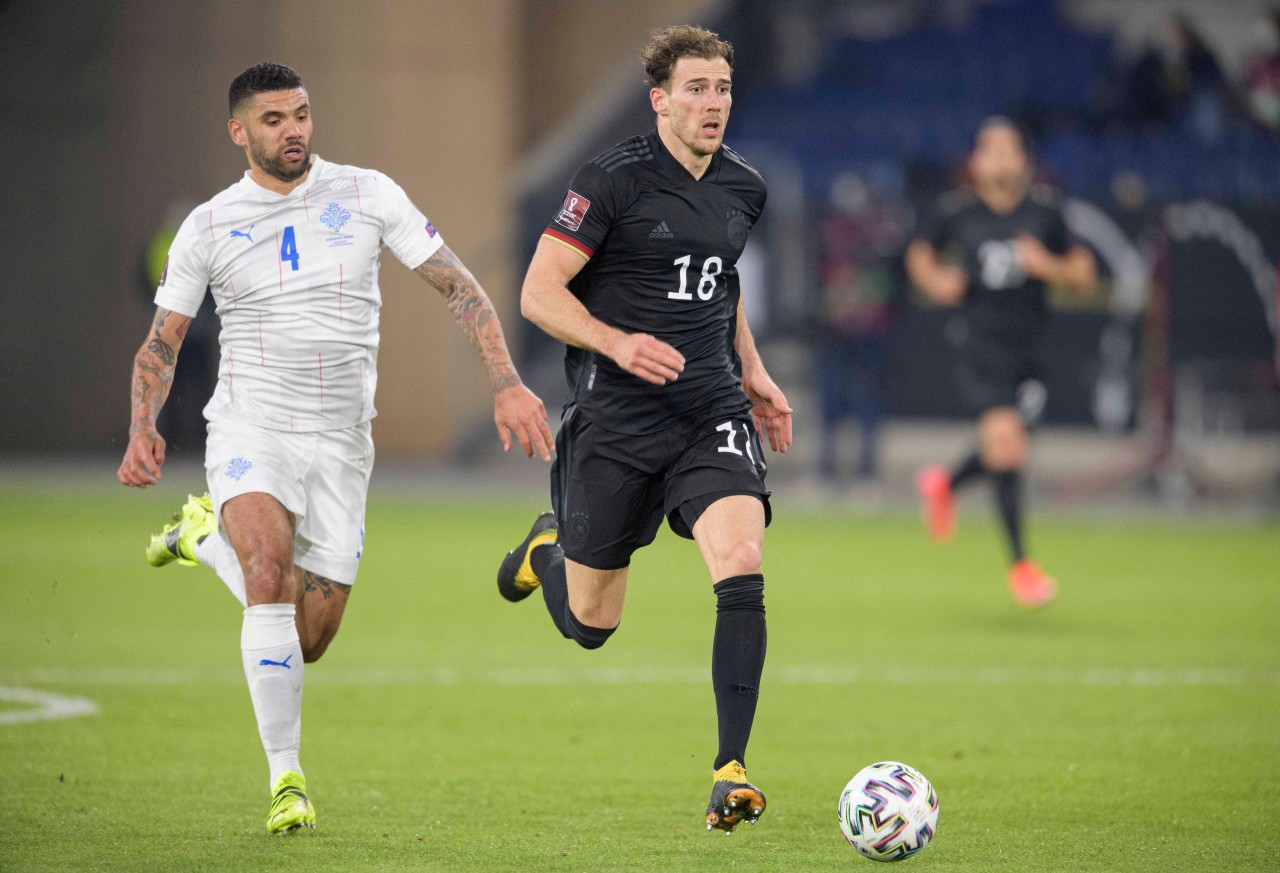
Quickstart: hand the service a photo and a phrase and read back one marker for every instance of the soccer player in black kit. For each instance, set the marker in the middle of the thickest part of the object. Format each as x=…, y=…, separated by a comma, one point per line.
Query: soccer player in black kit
x=636, y=275
x=1012, y=242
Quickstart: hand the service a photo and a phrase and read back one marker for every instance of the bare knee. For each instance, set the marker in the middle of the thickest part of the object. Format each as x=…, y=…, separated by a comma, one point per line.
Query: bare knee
x=1004, y=440
x=742, y=558
x=269, y=579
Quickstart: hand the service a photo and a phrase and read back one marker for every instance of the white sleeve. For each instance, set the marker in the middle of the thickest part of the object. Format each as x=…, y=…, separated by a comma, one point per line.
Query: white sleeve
x=186, y=271
x=405, y=230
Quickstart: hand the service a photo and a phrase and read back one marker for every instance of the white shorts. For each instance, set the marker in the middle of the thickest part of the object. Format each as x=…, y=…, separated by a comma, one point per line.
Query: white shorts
x=320, y=477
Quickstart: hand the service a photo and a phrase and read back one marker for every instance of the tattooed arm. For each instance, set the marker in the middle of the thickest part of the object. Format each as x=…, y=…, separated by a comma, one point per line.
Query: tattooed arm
x=152, y=376
x=515, y=407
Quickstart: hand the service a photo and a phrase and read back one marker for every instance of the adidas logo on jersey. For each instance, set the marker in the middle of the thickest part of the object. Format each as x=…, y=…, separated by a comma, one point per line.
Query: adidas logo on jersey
x=661, y=232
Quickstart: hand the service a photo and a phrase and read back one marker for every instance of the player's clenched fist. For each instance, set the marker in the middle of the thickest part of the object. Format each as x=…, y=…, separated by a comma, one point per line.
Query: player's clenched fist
x=648, y=358
x=142, y=459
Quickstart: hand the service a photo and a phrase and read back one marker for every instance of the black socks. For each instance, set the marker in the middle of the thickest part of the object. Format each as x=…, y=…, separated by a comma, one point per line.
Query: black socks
x=1009, y=502
x=1008, y=493
x=548, y=562
x=970, y=468
x=737, y=659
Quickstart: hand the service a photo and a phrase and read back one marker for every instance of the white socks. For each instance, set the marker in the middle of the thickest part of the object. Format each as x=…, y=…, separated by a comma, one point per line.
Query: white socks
x=273, y=667
x=215, y=552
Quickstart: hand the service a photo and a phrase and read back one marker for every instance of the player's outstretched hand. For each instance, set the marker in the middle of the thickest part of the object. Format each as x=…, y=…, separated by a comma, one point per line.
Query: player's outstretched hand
x=517, y=410
x=648, y=358
x=770, y=408
x=142, y=459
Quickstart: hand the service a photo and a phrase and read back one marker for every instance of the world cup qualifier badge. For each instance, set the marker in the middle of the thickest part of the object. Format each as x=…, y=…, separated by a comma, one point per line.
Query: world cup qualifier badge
x=573, y=211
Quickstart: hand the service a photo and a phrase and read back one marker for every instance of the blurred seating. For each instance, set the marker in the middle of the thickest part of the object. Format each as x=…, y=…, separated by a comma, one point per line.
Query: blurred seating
x=915, y=98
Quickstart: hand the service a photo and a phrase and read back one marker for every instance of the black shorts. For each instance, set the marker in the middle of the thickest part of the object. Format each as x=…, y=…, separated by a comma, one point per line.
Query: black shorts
x=610, y=491
x=994, y=374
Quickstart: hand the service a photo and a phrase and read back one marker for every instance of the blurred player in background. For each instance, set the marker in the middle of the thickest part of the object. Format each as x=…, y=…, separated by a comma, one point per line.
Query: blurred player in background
x=636, y=274
x=291, y=254
x=1012, y=241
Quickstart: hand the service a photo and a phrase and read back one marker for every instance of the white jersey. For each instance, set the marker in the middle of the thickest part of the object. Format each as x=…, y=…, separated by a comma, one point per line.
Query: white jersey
x=295, y=279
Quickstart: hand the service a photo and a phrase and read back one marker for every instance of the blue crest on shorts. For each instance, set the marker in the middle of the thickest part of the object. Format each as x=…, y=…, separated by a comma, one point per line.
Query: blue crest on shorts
x=334, y=217
x=237, y=467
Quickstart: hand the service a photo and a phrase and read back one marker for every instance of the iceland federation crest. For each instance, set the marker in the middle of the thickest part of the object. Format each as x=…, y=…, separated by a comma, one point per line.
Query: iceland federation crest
x=335, y=217
x=237, y=467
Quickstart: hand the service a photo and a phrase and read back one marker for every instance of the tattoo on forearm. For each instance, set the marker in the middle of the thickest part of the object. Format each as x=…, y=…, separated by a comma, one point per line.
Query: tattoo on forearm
x=326, y=587
x=152, y=378
x=162, y=350
x=473, y=311
x=504, y=381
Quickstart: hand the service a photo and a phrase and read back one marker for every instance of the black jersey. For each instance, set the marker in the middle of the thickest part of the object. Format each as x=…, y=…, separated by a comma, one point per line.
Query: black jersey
x=662, y=250
x=1002, y=303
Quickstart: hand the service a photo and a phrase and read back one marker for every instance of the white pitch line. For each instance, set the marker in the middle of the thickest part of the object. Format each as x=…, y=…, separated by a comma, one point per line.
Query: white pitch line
x=1132, y=677
x=42, y=706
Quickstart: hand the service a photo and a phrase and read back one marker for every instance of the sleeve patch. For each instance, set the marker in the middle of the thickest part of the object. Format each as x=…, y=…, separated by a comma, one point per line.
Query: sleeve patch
x=573, y=211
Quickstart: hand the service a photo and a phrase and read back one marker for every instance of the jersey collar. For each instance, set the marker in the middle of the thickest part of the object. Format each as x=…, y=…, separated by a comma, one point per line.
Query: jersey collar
x=256, y=192
x=672, y=167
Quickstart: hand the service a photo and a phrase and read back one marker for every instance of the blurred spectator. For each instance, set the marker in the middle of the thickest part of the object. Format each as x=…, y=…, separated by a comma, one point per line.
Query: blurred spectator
x=1262, y=72
x=861, y=241
x=1177, y=78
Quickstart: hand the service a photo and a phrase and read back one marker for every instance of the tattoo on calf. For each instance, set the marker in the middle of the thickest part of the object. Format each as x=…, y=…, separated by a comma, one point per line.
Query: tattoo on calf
x=313, y=582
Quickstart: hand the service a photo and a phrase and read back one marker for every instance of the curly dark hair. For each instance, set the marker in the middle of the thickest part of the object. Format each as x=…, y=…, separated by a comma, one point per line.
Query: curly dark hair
x=681, y=41
x=260, y=78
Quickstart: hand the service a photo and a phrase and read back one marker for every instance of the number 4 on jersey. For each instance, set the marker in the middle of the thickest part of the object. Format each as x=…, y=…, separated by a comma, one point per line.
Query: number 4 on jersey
x=289, y=248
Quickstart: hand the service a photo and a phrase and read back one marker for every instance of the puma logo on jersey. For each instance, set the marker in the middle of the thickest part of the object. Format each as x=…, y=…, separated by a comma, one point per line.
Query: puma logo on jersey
x=247, y=234
x=661, y=232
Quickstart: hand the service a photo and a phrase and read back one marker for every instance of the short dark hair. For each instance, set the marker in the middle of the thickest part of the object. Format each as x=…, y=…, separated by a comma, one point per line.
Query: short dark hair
x=261, y=78
x=1002, y=122
x=681, y=41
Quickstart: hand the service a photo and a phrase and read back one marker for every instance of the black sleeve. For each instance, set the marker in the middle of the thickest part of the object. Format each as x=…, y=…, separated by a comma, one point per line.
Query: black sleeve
x=1057, y=236
x=588, y=211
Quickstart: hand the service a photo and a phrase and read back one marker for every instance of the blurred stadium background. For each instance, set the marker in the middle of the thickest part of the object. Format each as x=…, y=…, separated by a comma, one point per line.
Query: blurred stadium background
x=1157, y=119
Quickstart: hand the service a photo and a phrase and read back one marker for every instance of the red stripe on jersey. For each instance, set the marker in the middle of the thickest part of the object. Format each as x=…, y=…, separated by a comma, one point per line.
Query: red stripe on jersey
x=210, y=224
x=568, y=240
x=358, y=206
x=304, y=203
x=280, y=266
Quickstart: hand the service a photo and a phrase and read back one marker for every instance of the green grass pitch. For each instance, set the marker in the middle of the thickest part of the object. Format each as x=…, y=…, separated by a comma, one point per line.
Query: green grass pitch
x=1133, y=725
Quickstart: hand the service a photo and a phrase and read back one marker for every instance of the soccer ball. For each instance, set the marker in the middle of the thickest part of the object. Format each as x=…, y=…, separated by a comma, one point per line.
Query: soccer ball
x=888, y=812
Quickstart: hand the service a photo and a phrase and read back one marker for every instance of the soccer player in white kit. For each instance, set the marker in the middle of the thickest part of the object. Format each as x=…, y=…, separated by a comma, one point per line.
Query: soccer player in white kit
x=291, y=254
